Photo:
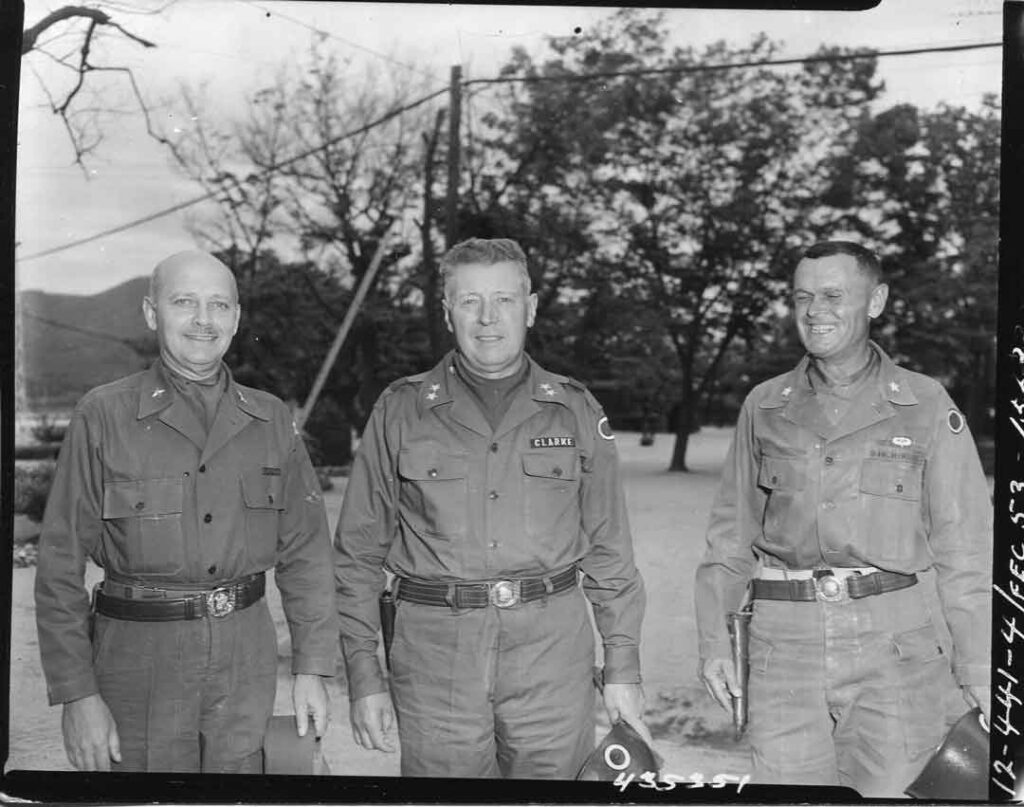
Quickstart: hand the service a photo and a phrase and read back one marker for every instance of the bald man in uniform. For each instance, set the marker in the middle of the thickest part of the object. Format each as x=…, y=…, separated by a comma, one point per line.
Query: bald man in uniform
x=186, y=487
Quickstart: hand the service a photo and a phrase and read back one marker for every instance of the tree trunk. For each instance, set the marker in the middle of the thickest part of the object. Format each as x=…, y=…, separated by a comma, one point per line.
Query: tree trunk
x=683, y=426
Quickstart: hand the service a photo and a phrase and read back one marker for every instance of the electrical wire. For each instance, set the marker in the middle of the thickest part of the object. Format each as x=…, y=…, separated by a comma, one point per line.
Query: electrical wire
x=509, y=80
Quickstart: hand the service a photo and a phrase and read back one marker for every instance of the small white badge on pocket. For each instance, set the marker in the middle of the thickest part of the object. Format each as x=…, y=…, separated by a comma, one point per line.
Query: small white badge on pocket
x=902, y=442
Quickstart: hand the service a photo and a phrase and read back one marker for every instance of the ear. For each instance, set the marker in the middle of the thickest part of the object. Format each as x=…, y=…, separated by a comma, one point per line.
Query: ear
x=531, y=309
x=877, y=302
x=149, y=312
x=238, y=318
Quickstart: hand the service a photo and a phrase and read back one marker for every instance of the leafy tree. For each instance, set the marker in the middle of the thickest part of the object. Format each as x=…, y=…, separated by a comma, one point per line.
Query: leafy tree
x=696, y=186
x=923, y=189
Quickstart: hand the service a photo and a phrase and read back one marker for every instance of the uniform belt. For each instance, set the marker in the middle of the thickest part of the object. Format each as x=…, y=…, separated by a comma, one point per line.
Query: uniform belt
x=825, y=585
x=500, y=593
x=138, y=603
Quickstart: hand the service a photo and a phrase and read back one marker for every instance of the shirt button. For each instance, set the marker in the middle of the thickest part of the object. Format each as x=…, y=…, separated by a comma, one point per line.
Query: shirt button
x=494, y=448
x=270, y=499
x=139, y=505
x=557, y=472
x=492, y=495
x=212, y=569
x=186, y=474
x=899, y=488
x=202, y=469
x=207, y=518
x=432, y=473
x=775, y=480
x=494, y=544
x=829, y=460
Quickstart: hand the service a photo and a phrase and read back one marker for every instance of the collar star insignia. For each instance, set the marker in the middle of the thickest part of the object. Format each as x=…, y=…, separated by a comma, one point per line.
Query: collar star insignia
x=894, y=387
x=786, y=392
x=242, y=397
x=548, y=390
x=432, y=395
x=158, y=392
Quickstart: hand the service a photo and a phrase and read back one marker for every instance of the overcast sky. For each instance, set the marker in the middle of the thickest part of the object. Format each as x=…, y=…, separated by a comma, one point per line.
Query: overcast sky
x=236, y=46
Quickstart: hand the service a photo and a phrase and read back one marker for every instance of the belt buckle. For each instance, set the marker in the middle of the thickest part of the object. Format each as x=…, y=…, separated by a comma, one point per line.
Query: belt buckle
x=504, y=593
x=220, y=602
x=829, y=588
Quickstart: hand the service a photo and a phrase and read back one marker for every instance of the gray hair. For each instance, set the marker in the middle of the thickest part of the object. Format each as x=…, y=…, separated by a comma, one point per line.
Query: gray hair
x=487, y=252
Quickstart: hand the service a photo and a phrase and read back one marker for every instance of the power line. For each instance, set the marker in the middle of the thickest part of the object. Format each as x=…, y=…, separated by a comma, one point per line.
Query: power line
x=330, y=35
x=707, y=68
x=210, y=194
x=509, y=80
x=87, y=331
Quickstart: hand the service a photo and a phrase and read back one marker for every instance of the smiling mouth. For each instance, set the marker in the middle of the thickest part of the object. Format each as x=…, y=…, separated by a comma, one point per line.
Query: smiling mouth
x=489, y=338
x=202, y=337
x=821, y=330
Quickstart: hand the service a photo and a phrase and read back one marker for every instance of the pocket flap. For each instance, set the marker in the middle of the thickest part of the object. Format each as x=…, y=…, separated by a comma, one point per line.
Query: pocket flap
x=899, y=480
x=143, y=497
x=430, y=466
x=550, y=465
x=777, y=473
x=261, y=491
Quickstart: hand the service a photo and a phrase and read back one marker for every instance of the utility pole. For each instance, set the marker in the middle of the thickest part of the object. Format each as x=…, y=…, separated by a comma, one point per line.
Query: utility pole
x=346, y=324
x=454, y=116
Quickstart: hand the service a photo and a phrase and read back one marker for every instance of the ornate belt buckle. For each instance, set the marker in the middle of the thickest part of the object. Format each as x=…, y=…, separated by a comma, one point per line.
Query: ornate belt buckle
x=504, y=593
x=829, y=588
x=220, y=602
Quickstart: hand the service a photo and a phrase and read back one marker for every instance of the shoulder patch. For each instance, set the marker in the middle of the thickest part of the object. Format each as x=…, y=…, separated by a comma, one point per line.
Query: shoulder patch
x=955, y=421
x=604, y=429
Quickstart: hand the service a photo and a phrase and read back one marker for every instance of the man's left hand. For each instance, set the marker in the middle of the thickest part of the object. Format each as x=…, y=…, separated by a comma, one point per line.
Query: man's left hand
x=626, y=702
x=981, y=697
x=309, y=697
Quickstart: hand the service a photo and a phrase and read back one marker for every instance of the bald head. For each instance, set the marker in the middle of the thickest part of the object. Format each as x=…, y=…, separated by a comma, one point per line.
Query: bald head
x=193, y=307
x=192, y=259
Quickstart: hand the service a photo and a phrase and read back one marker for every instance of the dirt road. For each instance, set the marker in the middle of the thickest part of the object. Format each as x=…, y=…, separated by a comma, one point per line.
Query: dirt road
x=668, y=514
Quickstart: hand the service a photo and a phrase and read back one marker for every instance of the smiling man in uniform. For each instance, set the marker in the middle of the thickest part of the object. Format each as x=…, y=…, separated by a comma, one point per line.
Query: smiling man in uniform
x=847, y=477
x=488, y=486
x=185, y=487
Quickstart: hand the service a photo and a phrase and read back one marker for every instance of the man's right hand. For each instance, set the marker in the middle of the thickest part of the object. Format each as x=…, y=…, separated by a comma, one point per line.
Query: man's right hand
x=372, y=717
x=90, y=734
x=719, y=676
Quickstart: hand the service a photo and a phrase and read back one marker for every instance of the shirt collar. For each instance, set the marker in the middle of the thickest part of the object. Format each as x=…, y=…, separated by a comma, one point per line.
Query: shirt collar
x=893, y=383
x=157, y=392
x=437, y=386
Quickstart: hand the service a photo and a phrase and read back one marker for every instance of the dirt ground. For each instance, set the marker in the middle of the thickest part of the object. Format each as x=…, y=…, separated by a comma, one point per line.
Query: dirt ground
x=668, y=513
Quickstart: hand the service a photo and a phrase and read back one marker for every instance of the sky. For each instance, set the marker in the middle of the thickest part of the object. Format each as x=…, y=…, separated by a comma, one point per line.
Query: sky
x=234, y=47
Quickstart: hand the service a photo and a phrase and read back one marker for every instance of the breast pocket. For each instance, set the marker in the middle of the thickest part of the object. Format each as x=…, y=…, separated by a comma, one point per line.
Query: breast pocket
x=890, y=496
x=551, y=500
x=784, y=478
x=433, y=492
x=143, y=517
x=264, y=500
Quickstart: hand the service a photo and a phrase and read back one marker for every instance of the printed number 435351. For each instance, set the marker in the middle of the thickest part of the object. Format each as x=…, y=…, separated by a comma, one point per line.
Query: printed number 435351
x=650, y=780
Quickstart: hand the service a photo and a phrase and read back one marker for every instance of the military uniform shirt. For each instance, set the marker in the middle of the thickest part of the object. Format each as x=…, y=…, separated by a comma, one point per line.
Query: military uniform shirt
x=436, y=494
x=142, y=490
x=895, y=484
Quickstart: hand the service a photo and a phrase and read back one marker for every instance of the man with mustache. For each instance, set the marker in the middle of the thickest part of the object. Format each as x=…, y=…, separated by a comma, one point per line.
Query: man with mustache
x=487, y=485
x=848, y=476
x=185, y=486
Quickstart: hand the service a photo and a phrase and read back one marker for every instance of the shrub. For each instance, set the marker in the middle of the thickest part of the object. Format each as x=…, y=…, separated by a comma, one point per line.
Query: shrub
x=49, y=432
x=31, y=489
